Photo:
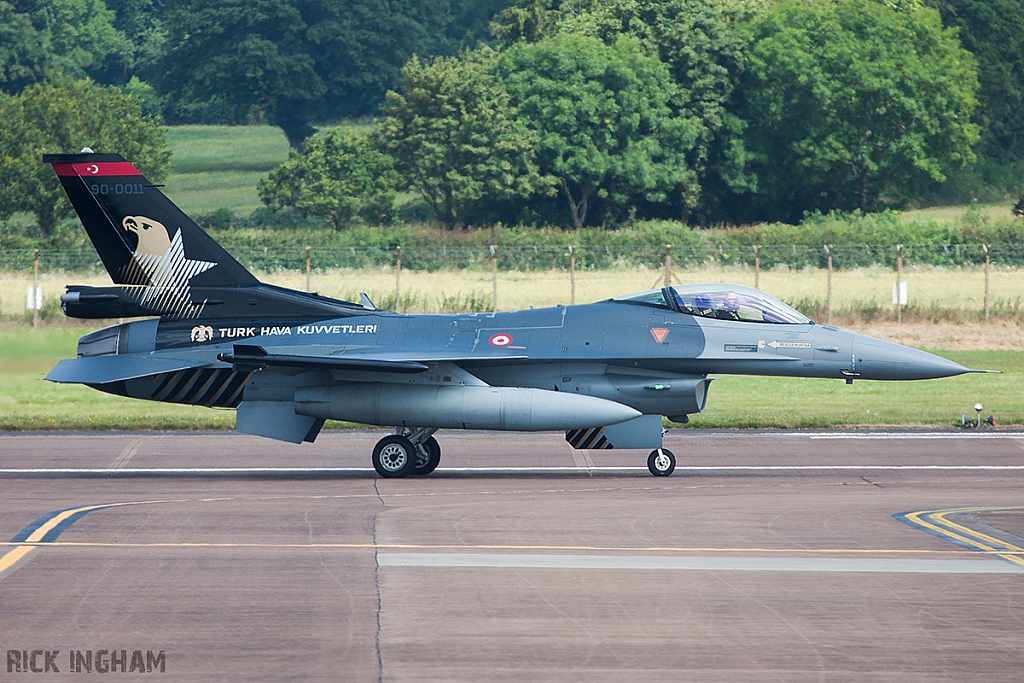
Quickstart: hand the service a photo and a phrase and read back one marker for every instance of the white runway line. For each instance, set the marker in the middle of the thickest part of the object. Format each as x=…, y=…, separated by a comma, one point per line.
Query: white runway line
x=912, y=435
x=769, y=564
x=576, y=471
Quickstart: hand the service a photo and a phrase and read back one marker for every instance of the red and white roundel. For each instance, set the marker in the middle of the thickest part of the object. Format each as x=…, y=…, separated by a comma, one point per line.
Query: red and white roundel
x=501, y=340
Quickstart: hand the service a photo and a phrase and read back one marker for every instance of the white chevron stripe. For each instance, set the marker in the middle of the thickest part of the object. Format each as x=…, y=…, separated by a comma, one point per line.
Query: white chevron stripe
x=169, y=275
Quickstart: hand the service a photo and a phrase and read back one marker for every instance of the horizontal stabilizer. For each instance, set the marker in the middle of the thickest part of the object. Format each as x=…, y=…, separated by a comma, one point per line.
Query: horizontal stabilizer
x=106, y=369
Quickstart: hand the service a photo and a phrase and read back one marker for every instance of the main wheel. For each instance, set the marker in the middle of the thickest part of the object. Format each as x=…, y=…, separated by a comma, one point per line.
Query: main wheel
x=394, y=456
x=661, y=462
x=428, y=457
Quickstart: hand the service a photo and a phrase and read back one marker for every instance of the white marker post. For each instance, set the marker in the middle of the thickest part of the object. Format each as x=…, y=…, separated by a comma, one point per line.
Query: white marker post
x=35, y=293
x=828, y=300
x=899, y=291
x=572, y=274
x=398, y=279
x=494, y=275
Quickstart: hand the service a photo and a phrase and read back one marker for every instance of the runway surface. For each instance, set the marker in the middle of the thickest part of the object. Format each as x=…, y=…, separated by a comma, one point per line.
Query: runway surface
x=765, y=557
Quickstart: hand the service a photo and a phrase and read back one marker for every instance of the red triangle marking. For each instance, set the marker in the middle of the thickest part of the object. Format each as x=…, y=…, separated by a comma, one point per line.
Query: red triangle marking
x=659, y=333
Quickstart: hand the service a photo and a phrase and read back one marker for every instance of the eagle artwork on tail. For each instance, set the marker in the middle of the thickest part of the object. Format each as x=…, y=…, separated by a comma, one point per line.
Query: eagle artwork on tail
x=163, y=267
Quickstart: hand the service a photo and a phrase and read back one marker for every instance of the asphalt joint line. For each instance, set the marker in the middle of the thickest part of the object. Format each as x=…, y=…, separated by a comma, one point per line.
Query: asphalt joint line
x=873, y=483
x=376, y=584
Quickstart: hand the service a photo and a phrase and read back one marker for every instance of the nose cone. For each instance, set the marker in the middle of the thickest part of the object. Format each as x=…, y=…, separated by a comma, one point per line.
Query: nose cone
x=877, y=359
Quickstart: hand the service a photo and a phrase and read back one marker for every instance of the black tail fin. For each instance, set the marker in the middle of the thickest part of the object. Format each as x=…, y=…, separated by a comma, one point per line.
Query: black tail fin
x=143, y=238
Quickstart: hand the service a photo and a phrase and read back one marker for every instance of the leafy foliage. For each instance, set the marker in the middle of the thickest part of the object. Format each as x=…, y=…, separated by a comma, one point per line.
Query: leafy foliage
x=24, y=54
x=339, y=177
x=456, y=138
x=703, y=45
x=601, y=119
x=64, y=116
x=38, y=39
x=288, y=61
x=993, y=30
x=851, y=104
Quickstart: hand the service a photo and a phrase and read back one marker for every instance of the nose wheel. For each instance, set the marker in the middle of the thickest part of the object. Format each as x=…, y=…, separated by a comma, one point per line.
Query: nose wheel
x=661, y=462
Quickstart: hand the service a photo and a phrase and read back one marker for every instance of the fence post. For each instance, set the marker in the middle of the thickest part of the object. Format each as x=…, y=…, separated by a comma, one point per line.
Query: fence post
x=35, y=292
x=757, y=266
x=668, y=265
x=398, y=279
x=899, y=279
x=309, y=261
x=494, y=275
x=988, y=263
x=828, y=300
x=572, y=274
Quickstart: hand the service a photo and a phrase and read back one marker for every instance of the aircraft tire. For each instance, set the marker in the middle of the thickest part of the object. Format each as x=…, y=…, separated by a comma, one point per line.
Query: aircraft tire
x=433, y=459
x=394, y=457
x=661, y=462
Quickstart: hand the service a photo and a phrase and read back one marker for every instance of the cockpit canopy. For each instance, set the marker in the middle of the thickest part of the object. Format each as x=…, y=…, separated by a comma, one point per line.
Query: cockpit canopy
x=720, y=301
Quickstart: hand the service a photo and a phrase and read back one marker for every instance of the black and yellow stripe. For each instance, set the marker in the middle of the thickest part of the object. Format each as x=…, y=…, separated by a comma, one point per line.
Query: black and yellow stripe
x=589, y=437
x=212, y=387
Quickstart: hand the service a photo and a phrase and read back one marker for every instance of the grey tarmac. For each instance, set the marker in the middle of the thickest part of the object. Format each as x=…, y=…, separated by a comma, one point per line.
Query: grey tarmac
x=767, y=556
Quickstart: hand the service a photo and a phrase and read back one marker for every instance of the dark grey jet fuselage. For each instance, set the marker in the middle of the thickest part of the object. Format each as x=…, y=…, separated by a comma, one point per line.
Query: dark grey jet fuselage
x=605, y=373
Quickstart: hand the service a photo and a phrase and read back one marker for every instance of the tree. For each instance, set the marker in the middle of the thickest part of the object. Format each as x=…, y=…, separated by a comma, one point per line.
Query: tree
x=64, y=116
x=993, y=31
x=853, y=105
x=339, y=177
x=703, y=45
x=25, y=56
x=38, y=39
x=288, y=62
x=602, y=122
x=700, y=41
x=455, y=138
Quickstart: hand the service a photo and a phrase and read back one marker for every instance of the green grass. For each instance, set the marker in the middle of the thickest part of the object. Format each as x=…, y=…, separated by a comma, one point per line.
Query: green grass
x=27, y=402
x=217, y=167
x=955, y=212
x=199, y=149
x=789, y=403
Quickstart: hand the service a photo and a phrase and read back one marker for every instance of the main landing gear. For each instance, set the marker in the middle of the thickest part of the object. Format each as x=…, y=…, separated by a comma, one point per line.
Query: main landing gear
x=661, y=462
x=410, y=451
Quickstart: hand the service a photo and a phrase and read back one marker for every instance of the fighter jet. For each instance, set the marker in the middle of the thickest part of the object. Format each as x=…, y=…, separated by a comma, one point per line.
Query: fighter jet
x=605, y=373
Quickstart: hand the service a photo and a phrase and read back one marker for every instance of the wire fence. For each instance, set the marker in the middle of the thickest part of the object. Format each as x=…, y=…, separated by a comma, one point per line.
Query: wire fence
x=431, y=258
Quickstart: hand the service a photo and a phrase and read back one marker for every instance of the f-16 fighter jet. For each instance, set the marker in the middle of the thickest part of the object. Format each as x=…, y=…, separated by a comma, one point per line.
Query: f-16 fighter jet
x=605, y=373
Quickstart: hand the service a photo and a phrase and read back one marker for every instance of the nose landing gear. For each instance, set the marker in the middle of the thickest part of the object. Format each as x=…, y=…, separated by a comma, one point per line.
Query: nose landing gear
x=661, y=462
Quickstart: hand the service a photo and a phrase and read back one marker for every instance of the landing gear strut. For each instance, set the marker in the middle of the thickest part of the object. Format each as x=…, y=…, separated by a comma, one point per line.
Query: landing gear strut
x=429, y=456
x=661, y=462
x=410, y=451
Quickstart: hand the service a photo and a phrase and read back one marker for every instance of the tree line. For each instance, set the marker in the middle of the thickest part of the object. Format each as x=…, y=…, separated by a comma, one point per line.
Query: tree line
x=573, y=112
x=697, y=110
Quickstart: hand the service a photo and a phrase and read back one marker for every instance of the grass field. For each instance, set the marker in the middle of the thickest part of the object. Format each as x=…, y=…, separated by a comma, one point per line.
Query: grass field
x=217, y=167
x=949, y=214
x=27, y=402
x=936, y=294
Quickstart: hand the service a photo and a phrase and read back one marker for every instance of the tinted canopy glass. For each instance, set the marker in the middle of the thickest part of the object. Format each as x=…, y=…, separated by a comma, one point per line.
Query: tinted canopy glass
x=733, y=302
x=652, y=297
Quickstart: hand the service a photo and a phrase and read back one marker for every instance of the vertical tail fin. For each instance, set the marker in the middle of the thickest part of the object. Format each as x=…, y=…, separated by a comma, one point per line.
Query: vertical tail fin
x=142, y=238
